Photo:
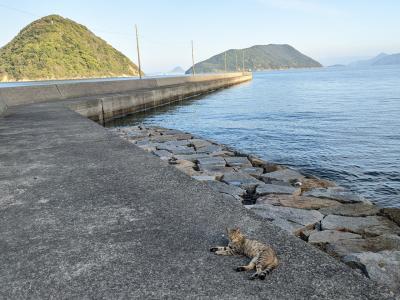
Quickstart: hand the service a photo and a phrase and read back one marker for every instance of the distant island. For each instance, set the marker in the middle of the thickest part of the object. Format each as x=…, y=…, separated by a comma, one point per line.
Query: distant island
x=177, y=70
x=57, y=48
x=257, y=58
x=379, y=60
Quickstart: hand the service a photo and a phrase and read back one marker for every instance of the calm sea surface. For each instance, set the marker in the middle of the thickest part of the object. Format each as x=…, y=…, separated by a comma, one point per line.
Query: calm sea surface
x=337, y=123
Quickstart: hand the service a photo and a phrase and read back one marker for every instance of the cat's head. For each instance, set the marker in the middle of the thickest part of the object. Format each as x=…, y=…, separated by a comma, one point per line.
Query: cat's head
x=235, y=235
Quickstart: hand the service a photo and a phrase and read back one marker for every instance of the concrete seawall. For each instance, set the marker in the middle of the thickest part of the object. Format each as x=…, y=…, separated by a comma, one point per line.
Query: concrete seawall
x=105, y=99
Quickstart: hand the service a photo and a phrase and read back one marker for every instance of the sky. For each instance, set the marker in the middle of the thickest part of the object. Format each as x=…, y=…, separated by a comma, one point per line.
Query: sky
x=330, y=31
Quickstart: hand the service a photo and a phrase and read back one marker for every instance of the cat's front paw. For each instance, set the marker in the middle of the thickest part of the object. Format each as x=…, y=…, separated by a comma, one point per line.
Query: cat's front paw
x=214, y=249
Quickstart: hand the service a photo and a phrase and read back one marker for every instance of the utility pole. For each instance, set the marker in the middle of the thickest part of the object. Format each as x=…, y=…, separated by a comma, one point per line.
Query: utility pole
x=243, y=60
x=236, y=62
x=138, y=52
x=225, y=61
x=193, y=70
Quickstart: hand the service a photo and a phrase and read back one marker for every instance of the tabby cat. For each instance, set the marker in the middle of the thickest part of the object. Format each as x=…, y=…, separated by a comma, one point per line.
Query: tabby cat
x=263, y=257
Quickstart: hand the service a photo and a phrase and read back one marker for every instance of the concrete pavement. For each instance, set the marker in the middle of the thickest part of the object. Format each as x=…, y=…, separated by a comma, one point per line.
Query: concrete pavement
x=85, y=214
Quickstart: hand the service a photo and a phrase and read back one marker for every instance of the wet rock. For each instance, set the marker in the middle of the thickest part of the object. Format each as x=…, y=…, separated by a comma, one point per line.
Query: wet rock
x=252, y=171
x=163, y=154
x=296, y=201
x=241, y=180
x=286, y=175
x=226, y=188
x=308, y=184
x=331, y=236
x=382, y=267
x=237, y=161
x=290, y=219
x=368, y=226
x=345, y=247
x=265, y=189
x=392, y=213
x=336, y=193
x=3, y=108
x=351, y=210
x=214, y=161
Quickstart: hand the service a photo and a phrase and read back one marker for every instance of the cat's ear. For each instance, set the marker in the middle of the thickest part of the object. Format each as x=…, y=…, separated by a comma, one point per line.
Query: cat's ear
x=237, y=229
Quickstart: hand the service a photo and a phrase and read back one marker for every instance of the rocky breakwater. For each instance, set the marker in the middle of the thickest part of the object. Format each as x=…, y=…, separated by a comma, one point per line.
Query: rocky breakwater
x=330, y=217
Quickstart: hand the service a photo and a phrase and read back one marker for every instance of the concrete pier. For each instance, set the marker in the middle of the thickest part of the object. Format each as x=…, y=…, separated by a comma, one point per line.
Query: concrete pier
x=85, y=214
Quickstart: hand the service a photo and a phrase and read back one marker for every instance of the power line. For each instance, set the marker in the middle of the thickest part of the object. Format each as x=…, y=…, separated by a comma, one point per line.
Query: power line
x=18, y=10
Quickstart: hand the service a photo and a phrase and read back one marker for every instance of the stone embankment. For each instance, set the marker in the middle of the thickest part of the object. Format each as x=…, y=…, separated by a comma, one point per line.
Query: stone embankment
x=330, y=217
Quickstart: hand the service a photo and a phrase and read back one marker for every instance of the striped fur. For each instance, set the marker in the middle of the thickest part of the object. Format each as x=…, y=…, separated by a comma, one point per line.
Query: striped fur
x=263, y=257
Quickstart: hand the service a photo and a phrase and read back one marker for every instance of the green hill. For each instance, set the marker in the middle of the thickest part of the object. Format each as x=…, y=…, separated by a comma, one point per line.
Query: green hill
x=57, y=48
x=257, y=58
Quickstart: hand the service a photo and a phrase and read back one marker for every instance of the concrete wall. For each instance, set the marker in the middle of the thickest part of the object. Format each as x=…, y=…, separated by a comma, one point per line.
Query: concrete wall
x=14, y=96
x=106, y=107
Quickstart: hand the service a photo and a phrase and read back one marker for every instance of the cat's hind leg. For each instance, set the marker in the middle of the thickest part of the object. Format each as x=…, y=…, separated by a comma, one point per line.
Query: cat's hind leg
x=250, y=266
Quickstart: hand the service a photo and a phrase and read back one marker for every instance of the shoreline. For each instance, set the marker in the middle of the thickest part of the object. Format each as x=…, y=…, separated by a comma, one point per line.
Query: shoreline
x=334, y=219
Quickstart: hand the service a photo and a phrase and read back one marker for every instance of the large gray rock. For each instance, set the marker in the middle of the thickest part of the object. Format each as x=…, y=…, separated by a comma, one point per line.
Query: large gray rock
x=296, y=201
x=3, y=108
x=289, y=218
x=215, y=169
x=265, y=189
x=163, y=154
x=198, y=143
x=242, y=180
x=351, y=210
x=267, y=166
x=209, y=149
x=369, y=226
x=343, y=247
x=286, y=175
x=182, y=150
x=336, y=193
x=226, y=188
x=214, y=161
x=331, y=236
x=238, y=161
x=192, y=157
x=252, y=171
x=382, y=267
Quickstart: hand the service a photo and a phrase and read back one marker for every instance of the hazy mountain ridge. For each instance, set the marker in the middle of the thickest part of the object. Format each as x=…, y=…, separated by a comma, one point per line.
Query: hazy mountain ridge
x=57, y=48
x=368, y=62
x=256, y=58
x=393, y=59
